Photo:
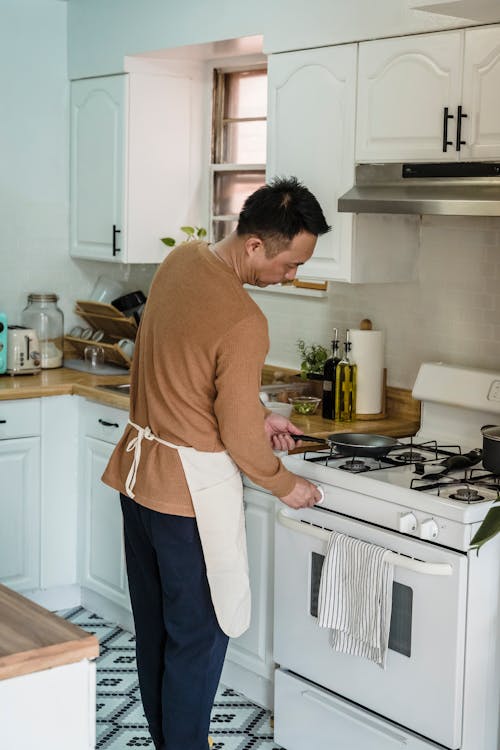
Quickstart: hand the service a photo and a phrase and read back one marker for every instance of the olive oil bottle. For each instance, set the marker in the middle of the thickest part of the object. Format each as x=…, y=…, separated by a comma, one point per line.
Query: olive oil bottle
x=345, y=386
x=329, y=379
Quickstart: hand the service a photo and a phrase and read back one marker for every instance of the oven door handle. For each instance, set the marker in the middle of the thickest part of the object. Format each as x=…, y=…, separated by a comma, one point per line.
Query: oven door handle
x=402, y=561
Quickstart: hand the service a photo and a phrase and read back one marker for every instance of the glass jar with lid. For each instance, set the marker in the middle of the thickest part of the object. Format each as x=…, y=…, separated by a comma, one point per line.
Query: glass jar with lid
x=47, y=320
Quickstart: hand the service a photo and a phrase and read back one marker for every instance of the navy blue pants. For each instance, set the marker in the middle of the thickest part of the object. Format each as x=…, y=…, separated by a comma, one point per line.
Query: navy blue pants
x=179, y=644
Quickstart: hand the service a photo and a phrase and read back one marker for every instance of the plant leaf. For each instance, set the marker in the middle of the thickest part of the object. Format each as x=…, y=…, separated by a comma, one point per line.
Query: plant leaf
x=489, y=528
x=168, y=241
x=201, y=232
x=188, y=230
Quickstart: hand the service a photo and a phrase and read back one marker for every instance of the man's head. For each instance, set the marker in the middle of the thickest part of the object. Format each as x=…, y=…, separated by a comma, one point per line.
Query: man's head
x=279, y=224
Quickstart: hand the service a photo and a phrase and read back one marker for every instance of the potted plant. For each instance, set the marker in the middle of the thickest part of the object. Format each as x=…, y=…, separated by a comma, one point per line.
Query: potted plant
x=489, y=528
x=313, y=358
x=192, y=233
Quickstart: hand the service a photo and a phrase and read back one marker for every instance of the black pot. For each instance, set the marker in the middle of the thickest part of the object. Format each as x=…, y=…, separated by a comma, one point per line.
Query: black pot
x=491, y=448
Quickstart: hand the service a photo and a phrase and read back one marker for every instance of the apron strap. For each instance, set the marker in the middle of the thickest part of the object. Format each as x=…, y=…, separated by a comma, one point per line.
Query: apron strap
x=143, y=433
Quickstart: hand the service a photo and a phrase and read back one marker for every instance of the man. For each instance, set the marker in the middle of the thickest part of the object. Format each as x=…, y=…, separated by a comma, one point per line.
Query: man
x=195, y=407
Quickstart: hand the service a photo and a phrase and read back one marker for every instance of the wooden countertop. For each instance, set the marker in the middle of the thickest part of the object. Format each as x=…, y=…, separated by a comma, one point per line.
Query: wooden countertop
x=32, y=638
x=403, y=412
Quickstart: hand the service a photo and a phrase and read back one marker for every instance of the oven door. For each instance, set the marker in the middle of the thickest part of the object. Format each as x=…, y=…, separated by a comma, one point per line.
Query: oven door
x=422, y=685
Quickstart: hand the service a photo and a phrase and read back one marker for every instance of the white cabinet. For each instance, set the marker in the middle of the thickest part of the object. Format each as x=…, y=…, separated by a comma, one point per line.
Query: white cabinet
x=311, y=126
x=249, y=665
x=133, y=171
x=429, y=97
x=102, y=559
x=20, y=494
x=481, y=84
x=311, y=119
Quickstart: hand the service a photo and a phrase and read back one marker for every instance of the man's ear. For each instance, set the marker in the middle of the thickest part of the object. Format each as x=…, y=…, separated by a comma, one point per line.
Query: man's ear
x=253, y=245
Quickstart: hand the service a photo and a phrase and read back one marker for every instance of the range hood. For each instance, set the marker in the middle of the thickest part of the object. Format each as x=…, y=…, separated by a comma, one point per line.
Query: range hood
x=457, y=189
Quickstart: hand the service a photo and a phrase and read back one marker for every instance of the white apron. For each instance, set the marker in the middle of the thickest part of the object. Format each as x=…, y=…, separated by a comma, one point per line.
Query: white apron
x=216, y=489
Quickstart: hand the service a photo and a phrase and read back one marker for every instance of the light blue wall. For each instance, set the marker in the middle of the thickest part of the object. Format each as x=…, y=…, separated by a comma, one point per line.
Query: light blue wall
x=34, y=163
x=102, y=32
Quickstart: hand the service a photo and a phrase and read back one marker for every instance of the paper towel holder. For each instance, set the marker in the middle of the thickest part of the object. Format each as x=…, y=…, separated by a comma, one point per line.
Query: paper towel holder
x=366, y=325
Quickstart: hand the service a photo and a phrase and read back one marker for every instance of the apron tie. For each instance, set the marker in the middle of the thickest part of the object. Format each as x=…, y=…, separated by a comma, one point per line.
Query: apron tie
x=143, y=433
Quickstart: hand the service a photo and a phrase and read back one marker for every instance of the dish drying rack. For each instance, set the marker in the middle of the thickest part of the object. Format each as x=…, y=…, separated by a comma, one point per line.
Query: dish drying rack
x=112, y=322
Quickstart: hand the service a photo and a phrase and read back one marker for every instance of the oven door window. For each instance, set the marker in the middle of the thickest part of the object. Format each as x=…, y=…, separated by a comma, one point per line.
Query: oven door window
x=402, y=607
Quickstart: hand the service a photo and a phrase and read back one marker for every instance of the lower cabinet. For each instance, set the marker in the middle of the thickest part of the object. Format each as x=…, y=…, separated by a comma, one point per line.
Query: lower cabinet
x=20, y=513
x=20, y=429
x=102, y=557
x=249, y=664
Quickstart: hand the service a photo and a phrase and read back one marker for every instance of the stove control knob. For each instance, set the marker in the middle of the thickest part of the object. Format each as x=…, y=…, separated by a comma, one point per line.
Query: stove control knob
x=407, y=523
x=429, y=529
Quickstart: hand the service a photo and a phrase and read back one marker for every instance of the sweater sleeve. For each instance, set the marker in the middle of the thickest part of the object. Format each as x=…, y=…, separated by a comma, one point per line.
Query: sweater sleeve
x=239, y=413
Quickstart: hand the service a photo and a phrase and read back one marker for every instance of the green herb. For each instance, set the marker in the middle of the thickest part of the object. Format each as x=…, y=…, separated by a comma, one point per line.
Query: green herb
x=192, y=233
x=313, y=357
x=305, y=407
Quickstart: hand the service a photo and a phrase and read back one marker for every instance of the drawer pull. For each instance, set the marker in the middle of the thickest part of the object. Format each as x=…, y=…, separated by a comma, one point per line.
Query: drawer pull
x=108, y=424
x=3, y=421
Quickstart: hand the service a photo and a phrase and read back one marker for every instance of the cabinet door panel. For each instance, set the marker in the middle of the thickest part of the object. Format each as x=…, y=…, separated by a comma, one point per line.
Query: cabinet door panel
x=253, y=649
x=404, y=85
x=481, y=129
x=311, y=135
x=97, y=163
x=20, y=513
x=103, y=559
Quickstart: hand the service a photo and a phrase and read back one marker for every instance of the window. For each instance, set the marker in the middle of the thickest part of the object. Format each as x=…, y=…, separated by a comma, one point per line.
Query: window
x=238, y=144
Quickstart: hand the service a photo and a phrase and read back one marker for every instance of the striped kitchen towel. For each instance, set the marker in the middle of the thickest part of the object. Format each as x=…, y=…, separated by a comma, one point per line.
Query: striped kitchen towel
x=355, y=597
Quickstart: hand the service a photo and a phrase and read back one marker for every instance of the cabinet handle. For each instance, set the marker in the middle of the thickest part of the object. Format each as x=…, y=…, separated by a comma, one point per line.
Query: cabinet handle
x=108, y=424
x=3, y=421
x=446, y=117
x=460, y=117
x=115, y=232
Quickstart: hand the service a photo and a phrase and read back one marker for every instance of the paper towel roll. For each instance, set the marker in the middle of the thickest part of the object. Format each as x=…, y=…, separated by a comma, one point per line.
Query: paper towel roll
x=367, y=352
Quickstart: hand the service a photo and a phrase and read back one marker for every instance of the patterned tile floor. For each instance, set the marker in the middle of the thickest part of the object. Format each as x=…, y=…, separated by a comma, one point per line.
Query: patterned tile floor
x=236, y=724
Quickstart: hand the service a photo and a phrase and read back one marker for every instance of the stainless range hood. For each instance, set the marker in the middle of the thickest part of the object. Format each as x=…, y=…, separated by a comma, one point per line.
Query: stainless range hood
x=453, y=189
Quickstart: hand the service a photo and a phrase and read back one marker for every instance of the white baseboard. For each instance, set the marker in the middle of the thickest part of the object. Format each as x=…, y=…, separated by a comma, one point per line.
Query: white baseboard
x=59, y=597
x=107, y=610
x=254, y=687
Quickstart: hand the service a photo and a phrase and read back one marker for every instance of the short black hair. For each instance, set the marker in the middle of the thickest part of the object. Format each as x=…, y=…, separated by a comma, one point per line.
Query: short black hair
x=284, y=207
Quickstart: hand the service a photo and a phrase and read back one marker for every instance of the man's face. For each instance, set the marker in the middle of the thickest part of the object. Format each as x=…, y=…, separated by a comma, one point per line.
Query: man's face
x=282, y=267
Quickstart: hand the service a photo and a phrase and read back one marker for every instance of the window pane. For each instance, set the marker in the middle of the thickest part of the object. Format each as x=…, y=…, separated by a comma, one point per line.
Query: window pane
x=246, y=94
x=244, y=143
x=231, y=189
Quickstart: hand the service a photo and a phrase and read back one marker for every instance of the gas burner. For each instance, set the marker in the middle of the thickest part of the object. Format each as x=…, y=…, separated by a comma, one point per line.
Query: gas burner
x=408, y=457
x=355, y=466
x=467, y=495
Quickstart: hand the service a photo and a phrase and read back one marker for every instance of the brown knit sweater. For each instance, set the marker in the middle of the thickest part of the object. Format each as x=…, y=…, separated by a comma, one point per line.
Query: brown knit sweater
x=195, y=381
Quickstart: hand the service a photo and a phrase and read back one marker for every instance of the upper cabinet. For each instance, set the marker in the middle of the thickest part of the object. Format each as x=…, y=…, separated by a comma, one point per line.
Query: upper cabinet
x=430, y=97
x=134, y=175
x=311, y=127
x=311, y=119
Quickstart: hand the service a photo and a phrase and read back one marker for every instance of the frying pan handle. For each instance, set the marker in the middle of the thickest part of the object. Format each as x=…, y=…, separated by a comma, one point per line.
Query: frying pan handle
x=309, y=439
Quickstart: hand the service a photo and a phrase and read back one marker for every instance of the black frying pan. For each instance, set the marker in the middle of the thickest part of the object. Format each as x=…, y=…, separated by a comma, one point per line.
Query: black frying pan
x=355, y=444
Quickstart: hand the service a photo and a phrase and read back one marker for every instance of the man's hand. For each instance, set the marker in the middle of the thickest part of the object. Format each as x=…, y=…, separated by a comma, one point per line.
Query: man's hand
x=304, y=495
x=278, y=430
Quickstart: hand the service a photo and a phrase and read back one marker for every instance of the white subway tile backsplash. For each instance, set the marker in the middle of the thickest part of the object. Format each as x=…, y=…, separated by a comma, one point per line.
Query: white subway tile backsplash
x=451, y=313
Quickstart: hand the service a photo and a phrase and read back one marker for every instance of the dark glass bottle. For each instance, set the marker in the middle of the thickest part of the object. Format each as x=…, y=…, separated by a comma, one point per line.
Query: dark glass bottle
x=329, y=373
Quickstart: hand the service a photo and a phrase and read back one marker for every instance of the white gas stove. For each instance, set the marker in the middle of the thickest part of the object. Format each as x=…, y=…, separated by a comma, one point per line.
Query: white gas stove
x=415, y=488
x=441, y=685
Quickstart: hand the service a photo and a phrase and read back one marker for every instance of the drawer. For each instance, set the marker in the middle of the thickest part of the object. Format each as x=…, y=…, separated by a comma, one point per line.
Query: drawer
x=306, y=715
x=103, y=422
x=20, y=418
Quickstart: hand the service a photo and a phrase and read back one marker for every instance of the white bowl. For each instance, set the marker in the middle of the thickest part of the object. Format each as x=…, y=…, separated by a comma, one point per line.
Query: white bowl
x=279, y=408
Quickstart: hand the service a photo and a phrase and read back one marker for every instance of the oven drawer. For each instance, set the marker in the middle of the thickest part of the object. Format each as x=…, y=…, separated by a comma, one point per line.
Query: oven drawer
x=306, y=716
